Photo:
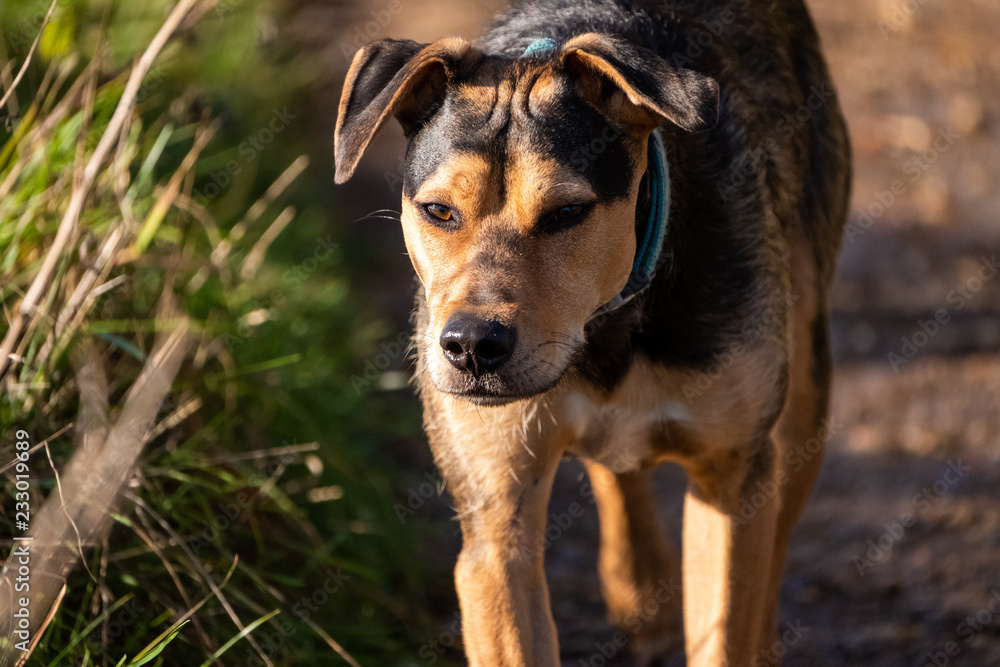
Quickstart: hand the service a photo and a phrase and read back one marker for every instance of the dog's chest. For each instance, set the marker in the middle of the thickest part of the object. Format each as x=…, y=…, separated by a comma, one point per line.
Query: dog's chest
x=627, y=429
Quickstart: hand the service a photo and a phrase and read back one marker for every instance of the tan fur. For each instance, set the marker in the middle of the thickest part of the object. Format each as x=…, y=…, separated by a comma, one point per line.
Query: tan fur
x=640, y=571
x=805, y=409
x=500, y=461
x=501, y=466
x=625, y=103
x=735, y=427
x=601, y=250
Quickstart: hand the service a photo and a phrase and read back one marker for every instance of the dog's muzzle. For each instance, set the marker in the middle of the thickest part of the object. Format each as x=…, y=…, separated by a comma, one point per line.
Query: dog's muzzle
x=477, y=346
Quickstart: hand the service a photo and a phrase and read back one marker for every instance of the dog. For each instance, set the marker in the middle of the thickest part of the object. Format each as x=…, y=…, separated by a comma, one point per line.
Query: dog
x=624, y=217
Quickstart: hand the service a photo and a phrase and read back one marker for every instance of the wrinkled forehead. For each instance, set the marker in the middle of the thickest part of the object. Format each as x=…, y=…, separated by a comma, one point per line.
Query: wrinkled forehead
x=508, y=114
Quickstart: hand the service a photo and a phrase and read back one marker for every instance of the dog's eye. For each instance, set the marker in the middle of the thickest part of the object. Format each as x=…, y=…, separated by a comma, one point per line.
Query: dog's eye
x=567, y=213
x=439, y=211
x=565, y=217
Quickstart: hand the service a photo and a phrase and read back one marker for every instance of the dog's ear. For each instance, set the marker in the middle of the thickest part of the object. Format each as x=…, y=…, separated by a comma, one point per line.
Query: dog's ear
x=633, y=86
x=391, y=77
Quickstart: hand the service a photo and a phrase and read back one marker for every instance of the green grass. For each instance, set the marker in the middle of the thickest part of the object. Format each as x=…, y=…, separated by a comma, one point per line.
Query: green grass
x=263, y=492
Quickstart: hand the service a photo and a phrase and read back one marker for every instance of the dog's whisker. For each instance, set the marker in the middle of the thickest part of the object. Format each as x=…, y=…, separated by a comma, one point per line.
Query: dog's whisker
x=513, y=474
x=567, y=346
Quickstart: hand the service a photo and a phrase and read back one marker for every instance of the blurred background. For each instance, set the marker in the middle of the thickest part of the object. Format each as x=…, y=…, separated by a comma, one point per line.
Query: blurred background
x=290, y=442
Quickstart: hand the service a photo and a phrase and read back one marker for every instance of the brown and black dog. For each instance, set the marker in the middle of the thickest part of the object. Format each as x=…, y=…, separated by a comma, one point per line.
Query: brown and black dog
x=624, y=216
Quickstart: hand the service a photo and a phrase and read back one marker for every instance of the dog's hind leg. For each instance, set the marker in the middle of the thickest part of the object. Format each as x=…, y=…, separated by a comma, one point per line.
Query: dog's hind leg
x=640, y=571
x=802, y=433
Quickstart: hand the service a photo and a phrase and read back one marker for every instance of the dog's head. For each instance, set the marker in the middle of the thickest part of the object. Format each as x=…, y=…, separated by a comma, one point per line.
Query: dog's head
x=520, y=189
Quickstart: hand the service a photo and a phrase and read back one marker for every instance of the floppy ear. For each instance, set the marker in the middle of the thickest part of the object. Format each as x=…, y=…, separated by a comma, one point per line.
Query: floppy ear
x=632, y=85
x=391, y=76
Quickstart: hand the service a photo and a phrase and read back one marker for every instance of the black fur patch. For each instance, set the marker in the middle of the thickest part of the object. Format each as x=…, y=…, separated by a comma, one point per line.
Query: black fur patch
x=570, y=132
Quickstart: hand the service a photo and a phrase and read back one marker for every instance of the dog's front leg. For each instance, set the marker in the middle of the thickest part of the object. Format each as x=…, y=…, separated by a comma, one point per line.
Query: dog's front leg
x=500, y=468
x=500, y=579
x=727, y=554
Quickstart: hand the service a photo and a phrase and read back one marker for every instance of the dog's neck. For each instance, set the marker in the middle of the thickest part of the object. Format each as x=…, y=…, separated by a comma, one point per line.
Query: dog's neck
x=652, y=216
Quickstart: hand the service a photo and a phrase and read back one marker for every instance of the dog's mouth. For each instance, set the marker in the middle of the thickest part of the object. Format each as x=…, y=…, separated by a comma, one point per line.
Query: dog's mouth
x=494, y=392
x=508, y=384
x=491, y=401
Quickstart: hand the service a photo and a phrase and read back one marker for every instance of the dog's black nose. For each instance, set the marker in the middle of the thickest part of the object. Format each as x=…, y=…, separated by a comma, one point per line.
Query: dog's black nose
x=476, y=345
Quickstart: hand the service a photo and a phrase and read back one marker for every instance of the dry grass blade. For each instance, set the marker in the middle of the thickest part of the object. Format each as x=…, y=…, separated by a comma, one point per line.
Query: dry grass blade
x=23, y=659
x=169, y=194
x=257, y=209
x=202, y=635
x=80, y=191
x=40, y=445
x=277, y=595
x=189, y=614
x=66, y=512
x=265, y=453
x=176, y=417
x=76, y=308
x=92, y=481
x=65, y=105
x=274, y=191
x=245, y=632
x=332, y=643
x=8, y=182
x=27, y=58
x=256, y=255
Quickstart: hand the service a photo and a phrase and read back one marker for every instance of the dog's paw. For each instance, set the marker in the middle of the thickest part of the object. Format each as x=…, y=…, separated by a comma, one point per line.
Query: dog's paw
x=663, y=651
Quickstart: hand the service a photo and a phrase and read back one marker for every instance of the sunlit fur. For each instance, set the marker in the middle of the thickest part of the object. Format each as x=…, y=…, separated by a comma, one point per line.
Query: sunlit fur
x=722, y=365
x=498, y=264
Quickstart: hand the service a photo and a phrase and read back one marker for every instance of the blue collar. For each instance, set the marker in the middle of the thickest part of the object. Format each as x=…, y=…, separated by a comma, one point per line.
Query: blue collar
x=649, y=237
x=539, y=47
